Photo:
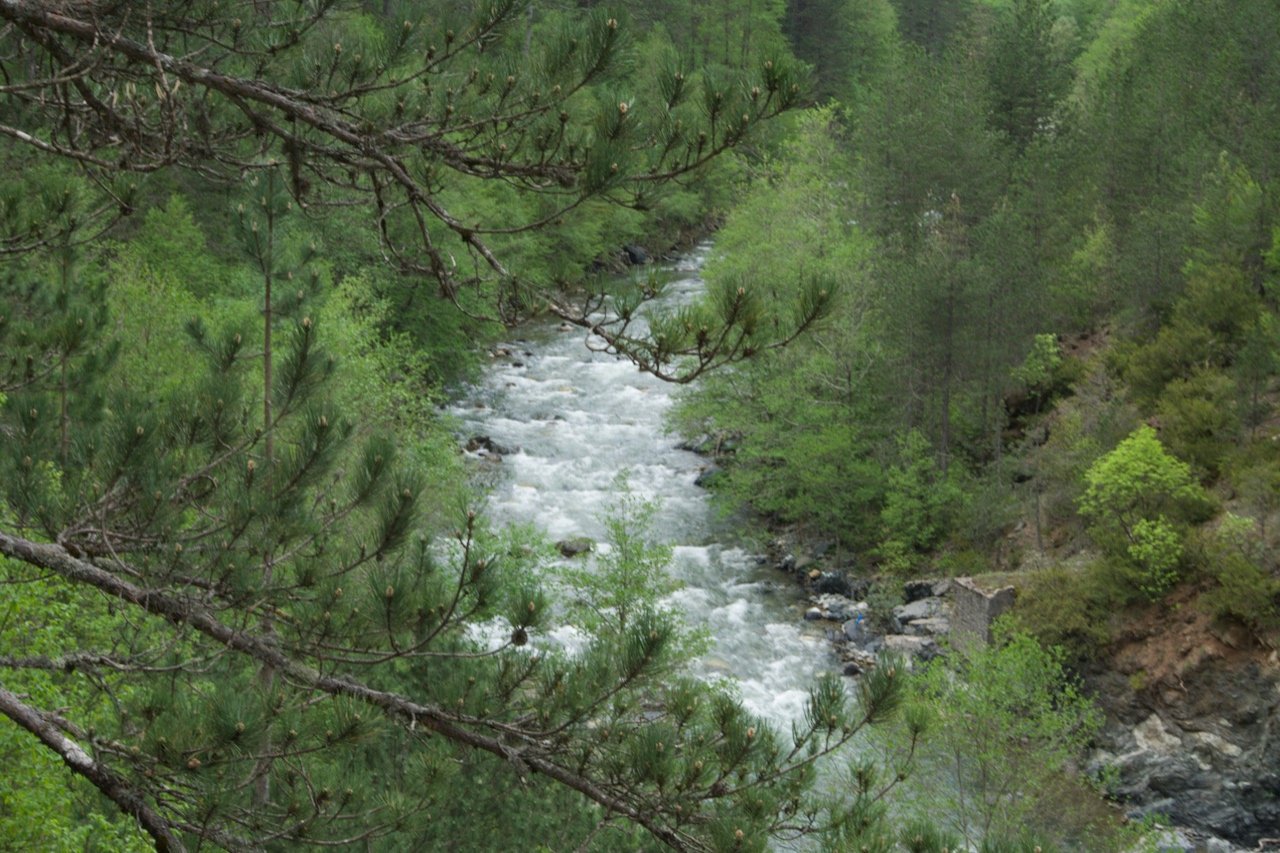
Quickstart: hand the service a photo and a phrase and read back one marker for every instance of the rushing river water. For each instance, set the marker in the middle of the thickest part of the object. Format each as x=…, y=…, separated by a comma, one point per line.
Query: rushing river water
x=574, y=419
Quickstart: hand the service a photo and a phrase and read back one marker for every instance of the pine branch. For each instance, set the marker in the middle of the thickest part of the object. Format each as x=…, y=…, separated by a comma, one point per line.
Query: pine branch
x=347, y=135
x=401, y=709
x=110, y=783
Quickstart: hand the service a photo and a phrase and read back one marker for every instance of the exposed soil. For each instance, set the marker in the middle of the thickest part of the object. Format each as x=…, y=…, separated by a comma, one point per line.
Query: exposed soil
x=1161, y=644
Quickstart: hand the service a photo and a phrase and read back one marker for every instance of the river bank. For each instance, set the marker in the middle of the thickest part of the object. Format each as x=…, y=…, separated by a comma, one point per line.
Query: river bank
x=1191, y=738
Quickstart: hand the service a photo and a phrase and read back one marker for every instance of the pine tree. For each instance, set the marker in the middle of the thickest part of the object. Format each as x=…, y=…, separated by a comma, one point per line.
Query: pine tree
x=407, y=118
x=312, y=567
x=1027, y=72
x=281, y=650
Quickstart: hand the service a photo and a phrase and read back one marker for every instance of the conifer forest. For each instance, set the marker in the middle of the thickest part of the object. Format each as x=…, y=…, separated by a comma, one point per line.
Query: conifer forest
x=573, y=425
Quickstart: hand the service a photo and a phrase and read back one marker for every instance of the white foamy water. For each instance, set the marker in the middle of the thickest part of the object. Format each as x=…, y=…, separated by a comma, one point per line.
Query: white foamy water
x=574, y=419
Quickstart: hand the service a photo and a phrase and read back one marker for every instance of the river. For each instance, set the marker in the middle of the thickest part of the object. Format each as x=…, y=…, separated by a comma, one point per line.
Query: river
x=572, y=419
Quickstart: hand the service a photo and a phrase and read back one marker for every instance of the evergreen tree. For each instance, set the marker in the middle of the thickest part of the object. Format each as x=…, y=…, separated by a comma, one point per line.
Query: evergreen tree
x=1027, y=71
x=417, y=120
x=850, y=43
x=278, y=645
x=930, y=24
x=297, y=663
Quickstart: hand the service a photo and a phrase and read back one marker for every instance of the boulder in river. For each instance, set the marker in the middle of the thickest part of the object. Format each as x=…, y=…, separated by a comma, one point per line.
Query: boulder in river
x=485, y=445
x=575, y=547
x=636, y=255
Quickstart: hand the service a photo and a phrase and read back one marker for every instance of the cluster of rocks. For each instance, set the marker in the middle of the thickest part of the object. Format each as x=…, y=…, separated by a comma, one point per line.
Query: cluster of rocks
x=486, y=448
x=1183, y=840
x=912, y=629
x=513, y=355
x=1210, y=763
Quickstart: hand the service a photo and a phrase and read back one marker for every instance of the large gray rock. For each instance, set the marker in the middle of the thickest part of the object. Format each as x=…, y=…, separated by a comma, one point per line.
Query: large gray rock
x=837, y=608
x=1206, y=756
x=912, y=648
x=922, y=608
x=575, y=547
x=904, y=615
x=856, y=630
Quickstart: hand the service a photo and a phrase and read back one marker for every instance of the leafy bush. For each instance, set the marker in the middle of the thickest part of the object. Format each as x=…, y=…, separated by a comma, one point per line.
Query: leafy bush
x=1064, y=607
x=1207, y=328
x=1138, y=500
x=996, y=760
x=1156, y=547
x=1200, y=419
x=1235, y=557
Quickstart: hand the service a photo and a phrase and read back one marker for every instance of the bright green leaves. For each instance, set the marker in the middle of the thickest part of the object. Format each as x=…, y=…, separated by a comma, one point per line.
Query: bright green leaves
x=44, y=806
x=1138, y=499
x=1155, y=546
x=1139, y=479
x=628, y=578
x=1006, y=724
x=1037, y=369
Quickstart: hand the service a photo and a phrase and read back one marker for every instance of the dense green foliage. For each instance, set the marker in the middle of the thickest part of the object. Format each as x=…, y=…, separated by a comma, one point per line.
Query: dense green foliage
x=246, y=600
x=1008, y=290
x=1007, y=723
x=1049, y=234
x=1054, y=351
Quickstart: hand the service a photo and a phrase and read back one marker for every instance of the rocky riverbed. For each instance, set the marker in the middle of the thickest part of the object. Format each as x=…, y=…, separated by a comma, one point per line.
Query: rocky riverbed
x=911, y=619
x=1192, y=709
